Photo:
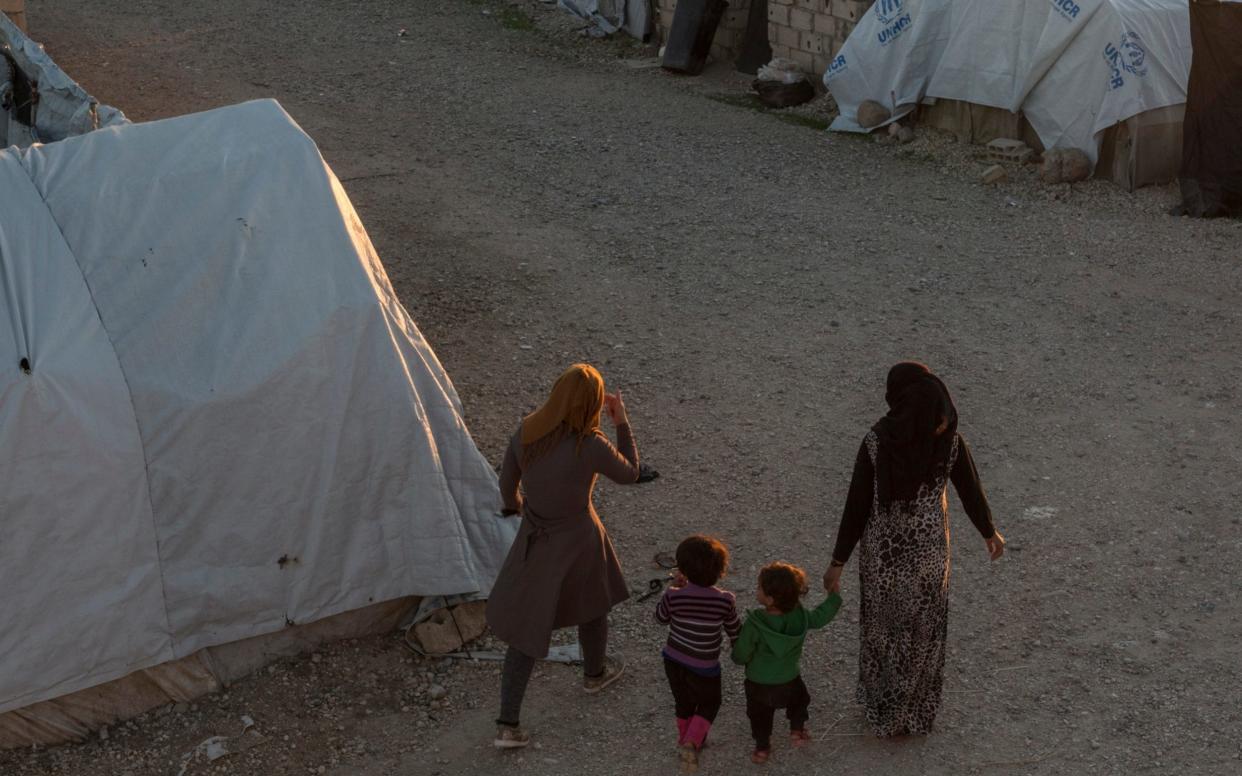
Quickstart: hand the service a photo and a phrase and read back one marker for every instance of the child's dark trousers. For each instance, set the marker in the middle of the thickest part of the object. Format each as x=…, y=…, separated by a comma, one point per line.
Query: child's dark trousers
x=762, y=701
x=694, y=695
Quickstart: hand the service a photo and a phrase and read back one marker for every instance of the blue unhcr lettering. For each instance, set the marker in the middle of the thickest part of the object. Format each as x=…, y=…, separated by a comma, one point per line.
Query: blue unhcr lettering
x=837, y=66
x=1127, y=56
x=890, y=33
x=1067, y=8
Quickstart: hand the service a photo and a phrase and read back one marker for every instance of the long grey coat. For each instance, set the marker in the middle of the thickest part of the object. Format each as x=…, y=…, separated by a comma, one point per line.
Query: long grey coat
x=562, y=569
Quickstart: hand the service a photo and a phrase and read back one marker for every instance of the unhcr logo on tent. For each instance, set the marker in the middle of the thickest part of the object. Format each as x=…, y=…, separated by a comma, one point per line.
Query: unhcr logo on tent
x=893, y=15
x=1126, y=56
x=1067, y=8
x=887, y=11
x=836, y=67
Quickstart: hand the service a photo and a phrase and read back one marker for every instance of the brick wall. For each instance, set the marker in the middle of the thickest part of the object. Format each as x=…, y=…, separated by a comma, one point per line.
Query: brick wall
x=728, y=40
x=809, y=32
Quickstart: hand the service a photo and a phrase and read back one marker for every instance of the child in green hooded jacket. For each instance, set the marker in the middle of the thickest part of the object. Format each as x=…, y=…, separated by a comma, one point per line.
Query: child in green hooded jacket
x=770, y=646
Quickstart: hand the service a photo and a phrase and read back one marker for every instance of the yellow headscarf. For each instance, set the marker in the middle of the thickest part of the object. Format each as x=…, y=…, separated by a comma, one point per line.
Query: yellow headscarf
x=574, y=406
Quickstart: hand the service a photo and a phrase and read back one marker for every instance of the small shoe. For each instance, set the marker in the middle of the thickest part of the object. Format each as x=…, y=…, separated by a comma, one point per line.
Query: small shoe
x=510, y=737
x=799, y=737
x=613, y=668
x=689, y=758
x=760, y=756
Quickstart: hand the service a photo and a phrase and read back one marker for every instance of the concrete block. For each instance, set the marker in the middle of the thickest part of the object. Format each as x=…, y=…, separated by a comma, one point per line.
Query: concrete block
x=811, y=43
x=782, y=51
x=804, y=60
x=778, y=14
x=788, y=36
x=801, y=19
x=809, y=5
x=855, y=9
x=825, y=24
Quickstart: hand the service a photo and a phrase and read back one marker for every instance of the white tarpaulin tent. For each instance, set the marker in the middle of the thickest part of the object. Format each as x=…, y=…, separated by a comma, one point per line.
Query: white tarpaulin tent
x=1072, y=68
x=216, y=419
x=40, y=102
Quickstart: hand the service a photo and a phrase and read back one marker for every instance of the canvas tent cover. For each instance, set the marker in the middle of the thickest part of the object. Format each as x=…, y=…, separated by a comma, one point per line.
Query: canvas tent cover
x=62, y=108
x=1073, y=67
x=216, y=419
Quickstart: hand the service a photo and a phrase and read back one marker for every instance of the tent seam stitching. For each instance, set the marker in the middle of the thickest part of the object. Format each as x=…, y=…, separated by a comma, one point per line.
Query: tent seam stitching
x=142, y=445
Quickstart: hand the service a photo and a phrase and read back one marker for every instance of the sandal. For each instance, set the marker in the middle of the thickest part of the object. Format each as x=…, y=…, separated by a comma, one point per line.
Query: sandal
x=760, y=756
x=799, y=737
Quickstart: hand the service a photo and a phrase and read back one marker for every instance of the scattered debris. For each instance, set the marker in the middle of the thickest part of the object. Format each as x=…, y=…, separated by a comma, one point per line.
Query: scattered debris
x=901, y=133
x=994, y=175
x=646, y=474
x=782, y=84
x=1004, y=149
x=212, y=749
x=654, y=585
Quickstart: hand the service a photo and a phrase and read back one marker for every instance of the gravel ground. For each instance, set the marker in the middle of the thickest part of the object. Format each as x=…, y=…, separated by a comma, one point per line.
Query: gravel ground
x=539, y=198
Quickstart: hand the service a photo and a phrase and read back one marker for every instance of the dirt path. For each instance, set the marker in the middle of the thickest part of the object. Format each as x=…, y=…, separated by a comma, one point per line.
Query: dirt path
x=747, y=283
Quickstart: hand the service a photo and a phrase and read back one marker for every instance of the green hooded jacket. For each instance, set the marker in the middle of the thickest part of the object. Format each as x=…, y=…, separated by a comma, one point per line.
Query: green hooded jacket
x=770, y=645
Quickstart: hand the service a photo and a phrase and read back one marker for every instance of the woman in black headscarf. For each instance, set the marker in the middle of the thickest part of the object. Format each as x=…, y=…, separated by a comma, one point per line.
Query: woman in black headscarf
x=898, y=507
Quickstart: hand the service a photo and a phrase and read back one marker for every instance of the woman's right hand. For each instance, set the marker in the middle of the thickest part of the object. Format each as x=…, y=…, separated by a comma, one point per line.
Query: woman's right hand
x=996, y=545
x=832, y=578
x=616, y=409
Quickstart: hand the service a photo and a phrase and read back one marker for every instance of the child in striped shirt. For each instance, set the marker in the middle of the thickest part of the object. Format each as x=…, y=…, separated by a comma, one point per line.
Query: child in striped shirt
x=696, y=612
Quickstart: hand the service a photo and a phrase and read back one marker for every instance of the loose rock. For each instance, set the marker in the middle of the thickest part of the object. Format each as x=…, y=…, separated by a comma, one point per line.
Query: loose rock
x=872, y=114
x=1065, y=165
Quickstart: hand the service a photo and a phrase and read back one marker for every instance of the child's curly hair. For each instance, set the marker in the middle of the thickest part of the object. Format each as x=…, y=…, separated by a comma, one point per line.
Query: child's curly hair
x=702, y=559
x=784, y=583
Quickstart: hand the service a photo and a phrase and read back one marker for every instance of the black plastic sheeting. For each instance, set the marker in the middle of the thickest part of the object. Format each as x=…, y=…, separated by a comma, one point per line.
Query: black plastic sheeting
x=690, y=35
x=1211, y=179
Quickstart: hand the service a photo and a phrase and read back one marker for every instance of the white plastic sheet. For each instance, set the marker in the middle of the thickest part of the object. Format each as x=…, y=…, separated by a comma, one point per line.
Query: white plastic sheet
x=1072, y=67
x=64, y=109
x=230, y=423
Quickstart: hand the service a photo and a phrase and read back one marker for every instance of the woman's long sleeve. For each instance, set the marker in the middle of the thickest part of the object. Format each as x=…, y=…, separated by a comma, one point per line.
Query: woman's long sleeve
x=510, y=476
x=620, y=463
x=969, y=489
x=857, y=506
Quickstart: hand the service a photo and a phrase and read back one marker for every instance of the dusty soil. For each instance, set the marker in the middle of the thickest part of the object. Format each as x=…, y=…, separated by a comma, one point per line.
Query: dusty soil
x=539, y=198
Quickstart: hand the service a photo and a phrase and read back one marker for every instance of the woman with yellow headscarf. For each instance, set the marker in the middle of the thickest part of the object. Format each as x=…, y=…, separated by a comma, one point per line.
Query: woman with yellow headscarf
x=562, y=569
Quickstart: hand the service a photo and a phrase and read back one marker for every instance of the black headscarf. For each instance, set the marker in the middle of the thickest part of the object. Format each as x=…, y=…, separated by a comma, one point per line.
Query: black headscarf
x=916, y=436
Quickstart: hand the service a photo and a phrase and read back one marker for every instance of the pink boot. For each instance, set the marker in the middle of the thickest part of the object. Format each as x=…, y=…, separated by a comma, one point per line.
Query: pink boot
x=696, y=732
x=682, y=726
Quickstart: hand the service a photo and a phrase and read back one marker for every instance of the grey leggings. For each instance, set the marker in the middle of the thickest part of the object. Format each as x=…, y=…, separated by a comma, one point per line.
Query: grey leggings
x=593, y=636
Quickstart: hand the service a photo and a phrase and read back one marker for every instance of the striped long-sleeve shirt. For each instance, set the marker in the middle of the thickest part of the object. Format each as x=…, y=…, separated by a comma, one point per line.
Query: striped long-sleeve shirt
x=695, y=617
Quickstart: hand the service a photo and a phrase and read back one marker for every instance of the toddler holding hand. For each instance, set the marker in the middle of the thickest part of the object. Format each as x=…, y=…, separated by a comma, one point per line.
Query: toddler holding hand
x=770, y=646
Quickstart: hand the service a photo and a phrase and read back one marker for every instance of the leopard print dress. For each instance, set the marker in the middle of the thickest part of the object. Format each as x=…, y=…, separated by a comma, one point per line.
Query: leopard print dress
x=904, y=583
